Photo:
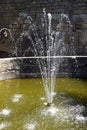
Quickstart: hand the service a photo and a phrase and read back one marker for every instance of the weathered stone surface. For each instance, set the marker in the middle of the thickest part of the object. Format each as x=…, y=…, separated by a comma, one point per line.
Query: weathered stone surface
x=26, y=68
x=8, y=69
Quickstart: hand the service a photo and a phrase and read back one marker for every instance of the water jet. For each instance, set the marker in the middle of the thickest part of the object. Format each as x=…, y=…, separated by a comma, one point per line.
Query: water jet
x=22, y=104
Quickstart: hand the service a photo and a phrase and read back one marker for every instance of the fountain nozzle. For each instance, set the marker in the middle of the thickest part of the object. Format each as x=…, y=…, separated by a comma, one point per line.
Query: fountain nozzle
x=48, y=104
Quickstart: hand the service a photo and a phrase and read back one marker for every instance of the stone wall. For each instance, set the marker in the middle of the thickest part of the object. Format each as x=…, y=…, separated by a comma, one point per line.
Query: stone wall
x=76, y=9
x=28, y=68
x=8, y=69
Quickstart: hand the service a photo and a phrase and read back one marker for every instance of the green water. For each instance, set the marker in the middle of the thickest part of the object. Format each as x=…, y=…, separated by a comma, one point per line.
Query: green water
x=22, y=105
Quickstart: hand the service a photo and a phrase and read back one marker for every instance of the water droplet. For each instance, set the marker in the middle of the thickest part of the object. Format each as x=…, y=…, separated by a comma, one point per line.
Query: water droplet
x=30, y=126
x=3, y=125
x=16, y=97
x=5, y=112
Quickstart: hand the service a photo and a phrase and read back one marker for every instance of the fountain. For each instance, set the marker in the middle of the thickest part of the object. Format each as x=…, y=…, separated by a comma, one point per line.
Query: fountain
x=46, y=44
x=25, y=98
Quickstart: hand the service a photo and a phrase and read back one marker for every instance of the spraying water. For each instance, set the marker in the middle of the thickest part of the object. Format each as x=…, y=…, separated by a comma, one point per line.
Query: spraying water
x=46, y=44
x=51, y=43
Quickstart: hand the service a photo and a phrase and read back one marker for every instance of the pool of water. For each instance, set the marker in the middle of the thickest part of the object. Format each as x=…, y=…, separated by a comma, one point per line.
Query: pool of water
x=22, y=105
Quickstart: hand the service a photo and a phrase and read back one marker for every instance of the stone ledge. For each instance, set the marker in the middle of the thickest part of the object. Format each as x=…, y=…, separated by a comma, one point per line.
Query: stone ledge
x=8, y=69
x=13, y=68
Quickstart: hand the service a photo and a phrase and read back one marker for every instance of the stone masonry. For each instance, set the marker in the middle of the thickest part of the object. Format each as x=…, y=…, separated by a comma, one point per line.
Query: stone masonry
x=8, y=69
x=76, y=10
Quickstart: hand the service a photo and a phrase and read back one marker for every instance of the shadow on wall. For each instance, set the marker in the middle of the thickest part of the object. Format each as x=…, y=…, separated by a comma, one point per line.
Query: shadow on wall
x=4, y=54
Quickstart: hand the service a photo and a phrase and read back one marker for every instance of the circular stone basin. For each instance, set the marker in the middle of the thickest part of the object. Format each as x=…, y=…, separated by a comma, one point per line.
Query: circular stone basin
x=22, y=105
